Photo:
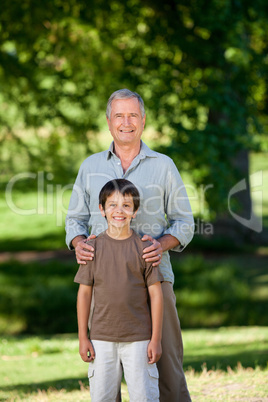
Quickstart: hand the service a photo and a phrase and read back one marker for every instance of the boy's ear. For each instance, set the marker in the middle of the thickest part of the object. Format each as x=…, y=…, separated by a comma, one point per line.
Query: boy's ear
x=102, y=210
x=134, y=215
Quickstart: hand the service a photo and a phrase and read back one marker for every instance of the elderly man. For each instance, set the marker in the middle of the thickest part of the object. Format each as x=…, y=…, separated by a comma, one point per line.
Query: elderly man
x=164, y=217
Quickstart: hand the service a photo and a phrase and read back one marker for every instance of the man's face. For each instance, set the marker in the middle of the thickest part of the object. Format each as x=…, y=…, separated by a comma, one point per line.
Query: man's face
x=126, y=123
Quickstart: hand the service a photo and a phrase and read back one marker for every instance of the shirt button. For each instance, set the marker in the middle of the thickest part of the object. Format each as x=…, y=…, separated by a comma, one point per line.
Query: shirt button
x=118, y=163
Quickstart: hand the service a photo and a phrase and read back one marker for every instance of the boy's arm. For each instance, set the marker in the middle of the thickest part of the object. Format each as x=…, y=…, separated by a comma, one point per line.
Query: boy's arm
x=83, y=309
x=156, y=299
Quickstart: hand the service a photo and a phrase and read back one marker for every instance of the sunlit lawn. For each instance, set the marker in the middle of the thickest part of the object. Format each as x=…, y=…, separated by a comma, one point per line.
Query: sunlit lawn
x=38, y=368
x=32, y=220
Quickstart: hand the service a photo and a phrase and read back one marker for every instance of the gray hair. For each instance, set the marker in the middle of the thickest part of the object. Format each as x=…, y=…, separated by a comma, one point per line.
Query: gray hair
x=124, y=94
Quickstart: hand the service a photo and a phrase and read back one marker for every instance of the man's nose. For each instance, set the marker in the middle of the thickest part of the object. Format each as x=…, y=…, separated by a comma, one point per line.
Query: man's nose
x=126, y=120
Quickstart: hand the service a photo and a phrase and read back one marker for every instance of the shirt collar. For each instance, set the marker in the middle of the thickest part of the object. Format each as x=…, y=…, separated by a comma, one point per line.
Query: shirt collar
x=145, y=151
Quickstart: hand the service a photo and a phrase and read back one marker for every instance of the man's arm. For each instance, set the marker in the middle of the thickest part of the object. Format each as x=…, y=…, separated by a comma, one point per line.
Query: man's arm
x=178, y=209
x=156, y=299
x=180, y=218
x=83, y=309
x=78, y=215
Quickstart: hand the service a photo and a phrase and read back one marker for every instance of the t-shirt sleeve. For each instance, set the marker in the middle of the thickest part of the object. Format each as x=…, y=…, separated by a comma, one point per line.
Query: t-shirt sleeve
x=85, y=272
x=152, y=275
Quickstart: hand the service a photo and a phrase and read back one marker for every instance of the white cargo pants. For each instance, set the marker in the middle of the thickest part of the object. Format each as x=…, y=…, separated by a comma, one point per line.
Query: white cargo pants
x=105, y=372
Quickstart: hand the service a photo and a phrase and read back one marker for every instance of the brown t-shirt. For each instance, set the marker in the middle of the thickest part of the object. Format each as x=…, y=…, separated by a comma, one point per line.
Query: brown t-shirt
x=120, y=277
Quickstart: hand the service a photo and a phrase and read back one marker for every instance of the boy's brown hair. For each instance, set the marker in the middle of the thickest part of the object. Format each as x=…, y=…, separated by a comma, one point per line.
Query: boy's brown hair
x=124, y=187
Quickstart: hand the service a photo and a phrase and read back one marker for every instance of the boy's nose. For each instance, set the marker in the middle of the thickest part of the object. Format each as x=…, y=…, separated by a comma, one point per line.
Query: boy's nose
x=119, y=209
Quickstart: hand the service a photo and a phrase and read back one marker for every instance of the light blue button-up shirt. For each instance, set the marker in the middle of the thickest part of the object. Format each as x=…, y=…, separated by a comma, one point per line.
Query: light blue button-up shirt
x=164, y=204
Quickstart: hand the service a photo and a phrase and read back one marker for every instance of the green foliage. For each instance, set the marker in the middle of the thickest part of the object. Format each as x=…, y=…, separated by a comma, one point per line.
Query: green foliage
x=203, y=76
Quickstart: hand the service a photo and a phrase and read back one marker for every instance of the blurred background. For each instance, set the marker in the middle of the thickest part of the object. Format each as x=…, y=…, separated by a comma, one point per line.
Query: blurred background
x=202, y=70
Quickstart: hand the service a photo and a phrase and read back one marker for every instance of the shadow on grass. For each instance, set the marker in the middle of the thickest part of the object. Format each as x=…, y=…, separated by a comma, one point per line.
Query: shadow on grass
x=38, y=298
x=215, y=362
x=68, y=384
x=51, y=241
x=251, y=358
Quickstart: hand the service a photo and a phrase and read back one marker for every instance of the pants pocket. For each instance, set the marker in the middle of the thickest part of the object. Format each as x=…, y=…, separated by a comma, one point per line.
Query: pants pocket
x=90, y=372
x=153, y=382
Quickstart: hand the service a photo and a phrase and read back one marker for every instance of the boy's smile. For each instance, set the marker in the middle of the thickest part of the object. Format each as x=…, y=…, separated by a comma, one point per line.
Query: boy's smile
x=119, y=211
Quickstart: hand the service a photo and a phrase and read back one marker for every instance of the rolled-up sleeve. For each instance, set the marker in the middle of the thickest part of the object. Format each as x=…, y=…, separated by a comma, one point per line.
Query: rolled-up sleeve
x=77, y=218
x=178, y=209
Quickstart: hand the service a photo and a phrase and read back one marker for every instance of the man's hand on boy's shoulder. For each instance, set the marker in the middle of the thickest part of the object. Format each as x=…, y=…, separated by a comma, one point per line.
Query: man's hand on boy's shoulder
x=84, y=252
x=154, y=252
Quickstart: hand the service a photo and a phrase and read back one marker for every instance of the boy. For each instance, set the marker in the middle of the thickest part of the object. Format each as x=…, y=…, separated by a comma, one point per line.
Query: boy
x=125, y=331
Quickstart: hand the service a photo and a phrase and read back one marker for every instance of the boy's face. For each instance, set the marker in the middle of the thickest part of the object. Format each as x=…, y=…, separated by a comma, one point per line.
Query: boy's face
x=119, y=210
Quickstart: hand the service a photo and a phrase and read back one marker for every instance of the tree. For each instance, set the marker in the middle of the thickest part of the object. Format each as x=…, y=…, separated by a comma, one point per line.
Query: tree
x=200, y=66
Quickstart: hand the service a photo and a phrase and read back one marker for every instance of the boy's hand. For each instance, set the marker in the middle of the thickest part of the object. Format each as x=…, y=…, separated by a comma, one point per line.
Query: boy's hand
x=84, y=252
x=154, y=352
x=86, y=350
x=154, y=252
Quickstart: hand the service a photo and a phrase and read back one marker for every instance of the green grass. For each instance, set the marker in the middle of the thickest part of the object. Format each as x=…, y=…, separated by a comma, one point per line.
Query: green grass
x=223, y=364
x=33, y=221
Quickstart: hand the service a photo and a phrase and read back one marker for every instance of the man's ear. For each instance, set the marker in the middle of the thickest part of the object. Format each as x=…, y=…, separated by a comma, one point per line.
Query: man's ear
x=108, y=122
x=143, y=121
x=102, y=210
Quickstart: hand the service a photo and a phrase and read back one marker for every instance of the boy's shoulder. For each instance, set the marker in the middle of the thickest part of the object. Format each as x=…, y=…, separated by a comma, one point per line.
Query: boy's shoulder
x=136, y=238
x=143, y=243
x=93, y=242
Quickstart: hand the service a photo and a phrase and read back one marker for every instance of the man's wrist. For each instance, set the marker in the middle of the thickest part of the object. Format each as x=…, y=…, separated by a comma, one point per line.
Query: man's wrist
x=77, y=239
x=168, y=242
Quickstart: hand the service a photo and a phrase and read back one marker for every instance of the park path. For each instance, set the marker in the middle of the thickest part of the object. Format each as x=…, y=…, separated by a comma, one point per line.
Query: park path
x=30, y=256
